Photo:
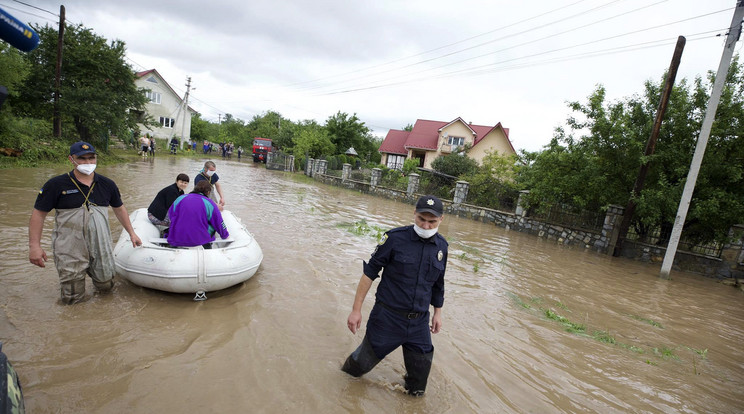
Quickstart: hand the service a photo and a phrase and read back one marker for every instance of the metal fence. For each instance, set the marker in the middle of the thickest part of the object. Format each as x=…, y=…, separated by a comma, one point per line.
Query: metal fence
x=659, y=238
x=570, y=217
x=437, y=184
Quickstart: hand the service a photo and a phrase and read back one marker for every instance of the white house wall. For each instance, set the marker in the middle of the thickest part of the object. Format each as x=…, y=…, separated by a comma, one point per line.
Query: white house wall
x=168, y=108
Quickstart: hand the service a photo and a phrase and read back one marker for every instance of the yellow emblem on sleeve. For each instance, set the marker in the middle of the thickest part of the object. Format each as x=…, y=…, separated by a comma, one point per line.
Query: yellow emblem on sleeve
x=383, y=239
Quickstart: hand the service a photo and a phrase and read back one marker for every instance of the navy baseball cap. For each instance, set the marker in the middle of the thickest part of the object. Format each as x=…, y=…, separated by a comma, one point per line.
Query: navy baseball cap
x=430, y=204
x=81, y=148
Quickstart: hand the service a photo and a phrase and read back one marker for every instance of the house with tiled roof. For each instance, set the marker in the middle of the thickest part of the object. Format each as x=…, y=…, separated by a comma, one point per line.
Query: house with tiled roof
x=428, y=140
x=165, y=107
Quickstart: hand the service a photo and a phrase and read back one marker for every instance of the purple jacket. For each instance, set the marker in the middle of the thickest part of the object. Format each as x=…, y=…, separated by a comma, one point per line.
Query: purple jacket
x=194, y=220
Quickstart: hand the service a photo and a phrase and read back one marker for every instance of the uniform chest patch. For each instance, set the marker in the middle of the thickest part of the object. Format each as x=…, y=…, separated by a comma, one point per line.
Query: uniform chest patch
x=73, y=191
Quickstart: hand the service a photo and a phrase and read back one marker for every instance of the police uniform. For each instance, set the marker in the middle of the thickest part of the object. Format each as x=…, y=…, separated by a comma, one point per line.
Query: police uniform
x=81, y=238
x=412, y=280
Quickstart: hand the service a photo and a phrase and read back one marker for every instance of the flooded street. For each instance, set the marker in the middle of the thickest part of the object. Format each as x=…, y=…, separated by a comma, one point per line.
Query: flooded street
x=528, y=326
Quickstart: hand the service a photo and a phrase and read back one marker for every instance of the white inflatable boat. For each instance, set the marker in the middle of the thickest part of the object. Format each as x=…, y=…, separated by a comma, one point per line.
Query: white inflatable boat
x=196, y=270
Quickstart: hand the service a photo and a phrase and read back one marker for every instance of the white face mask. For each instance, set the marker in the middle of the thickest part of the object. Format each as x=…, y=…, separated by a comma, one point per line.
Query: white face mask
x=425, y=234
x=210, y=173
x=86, y=169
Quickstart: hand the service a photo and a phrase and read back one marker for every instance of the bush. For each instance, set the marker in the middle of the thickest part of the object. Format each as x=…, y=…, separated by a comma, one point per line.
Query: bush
x=455, y=165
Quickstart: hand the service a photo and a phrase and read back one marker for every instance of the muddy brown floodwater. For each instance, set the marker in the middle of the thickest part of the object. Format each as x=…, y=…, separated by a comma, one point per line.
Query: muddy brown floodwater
x=529, y=326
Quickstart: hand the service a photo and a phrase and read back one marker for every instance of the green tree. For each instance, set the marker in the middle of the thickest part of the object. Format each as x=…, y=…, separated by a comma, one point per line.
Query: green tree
x=97, y=89
x=347, y=131
x=596, y=161
x=313, y=140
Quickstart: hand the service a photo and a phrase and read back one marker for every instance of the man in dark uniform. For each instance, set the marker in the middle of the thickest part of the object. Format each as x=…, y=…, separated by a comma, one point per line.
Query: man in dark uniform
x=414, y=259
x=81, y=239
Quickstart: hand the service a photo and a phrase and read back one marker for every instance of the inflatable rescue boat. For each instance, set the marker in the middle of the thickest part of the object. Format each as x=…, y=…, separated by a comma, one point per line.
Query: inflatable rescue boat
x=157, y=265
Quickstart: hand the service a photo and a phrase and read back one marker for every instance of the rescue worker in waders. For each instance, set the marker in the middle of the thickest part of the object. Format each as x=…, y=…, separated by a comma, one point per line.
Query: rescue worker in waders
x=414, y=259
x=81, y=239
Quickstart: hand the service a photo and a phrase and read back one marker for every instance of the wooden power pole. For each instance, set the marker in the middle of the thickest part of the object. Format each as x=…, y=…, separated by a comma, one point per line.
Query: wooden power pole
x=650, y=145
x=57, y=119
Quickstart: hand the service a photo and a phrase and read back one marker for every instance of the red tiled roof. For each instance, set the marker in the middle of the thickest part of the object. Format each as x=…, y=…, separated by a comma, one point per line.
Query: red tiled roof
x=425, y=135
x=394, y=142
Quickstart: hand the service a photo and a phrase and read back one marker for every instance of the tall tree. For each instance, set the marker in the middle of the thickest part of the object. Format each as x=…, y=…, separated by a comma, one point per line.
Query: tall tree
x=97, y=87
x=346, y=131
x=594, y=163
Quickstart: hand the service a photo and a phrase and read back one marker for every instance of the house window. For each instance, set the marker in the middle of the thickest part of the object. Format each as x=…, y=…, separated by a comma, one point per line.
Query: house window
x=167, y=122
x=154, y=97
x=152, y=79
x=395, y=162
x=456, y=141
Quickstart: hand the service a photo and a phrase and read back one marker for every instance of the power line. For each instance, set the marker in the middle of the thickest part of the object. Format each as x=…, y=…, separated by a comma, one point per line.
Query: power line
x=37, y=8
x=481, y=70
x=440, y=47
x=551, y=51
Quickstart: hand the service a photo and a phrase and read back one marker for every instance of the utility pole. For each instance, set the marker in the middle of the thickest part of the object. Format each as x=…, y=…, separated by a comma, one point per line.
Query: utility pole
x=650, y=145
x=710, y=114
x=219, y=125
x=185, y=110
x=57, y=118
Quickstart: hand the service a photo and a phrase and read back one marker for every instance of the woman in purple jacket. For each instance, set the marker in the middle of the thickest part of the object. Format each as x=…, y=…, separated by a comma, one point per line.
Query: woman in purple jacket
x=195, y=218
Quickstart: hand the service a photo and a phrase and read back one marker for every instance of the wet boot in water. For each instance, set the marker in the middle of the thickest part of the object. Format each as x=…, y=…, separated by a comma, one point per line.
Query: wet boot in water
x=361, y=361
x=417, y=371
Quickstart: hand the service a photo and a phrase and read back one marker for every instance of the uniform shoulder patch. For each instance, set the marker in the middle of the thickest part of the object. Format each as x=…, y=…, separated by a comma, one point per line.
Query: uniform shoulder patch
x=382, y=240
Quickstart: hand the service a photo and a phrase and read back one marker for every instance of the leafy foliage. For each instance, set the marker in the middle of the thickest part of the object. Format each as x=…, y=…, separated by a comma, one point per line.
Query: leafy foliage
x=455, y=165
x=596, y=160
x=97, y=89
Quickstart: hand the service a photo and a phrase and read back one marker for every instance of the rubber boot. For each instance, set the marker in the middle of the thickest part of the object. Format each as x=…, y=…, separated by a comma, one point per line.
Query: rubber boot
x=418, y=366
x=361, y=361
x=104, y=287
x=73, y=291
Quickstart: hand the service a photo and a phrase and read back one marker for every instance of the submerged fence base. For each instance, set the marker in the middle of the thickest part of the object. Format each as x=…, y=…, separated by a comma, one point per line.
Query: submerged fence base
x=604, y=240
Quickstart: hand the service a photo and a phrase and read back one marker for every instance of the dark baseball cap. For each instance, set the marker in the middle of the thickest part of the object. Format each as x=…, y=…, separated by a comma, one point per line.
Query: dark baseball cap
x=430, y=204
x=81, y=148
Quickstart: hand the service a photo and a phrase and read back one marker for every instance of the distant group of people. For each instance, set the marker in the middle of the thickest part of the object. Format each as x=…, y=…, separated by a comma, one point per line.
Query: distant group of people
x=412, y=258
x=147, y=146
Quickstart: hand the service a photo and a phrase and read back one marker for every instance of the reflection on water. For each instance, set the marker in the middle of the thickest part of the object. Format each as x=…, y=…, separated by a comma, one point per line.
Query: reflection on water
x=529, y=327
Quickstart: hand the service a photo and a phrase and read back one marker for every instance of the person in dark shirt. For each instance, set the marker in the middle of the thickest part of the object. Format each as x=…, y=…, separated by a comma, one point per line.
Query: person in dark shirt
x=158, y=210
x=209, y=173
x=81, y=239
x=414, y=259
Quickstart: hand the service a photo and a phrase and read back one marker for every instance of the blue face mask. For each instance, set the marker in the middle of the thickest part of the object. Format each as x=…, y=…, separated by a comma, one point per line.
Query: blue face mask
x=425, y=234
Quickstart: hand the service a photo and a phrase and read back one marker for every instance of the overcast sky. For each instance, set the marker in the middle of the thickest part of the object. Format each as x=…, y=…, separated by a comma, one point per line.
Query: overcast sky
x=394, y=61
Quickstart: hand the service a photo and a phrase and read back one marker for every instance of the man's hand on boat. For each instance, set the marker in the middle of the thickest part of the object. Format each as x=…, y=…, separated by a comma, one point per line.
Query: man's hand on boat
x=135, y=240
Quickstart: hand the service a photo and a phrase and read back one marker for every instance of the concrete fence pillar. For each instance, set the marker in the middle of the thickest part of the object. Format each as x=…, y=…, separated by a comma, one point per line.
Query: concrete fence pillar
x=374, y=181
x=309, y=165
x=345, y=171
x=611, y=226
x=520, y=211
x=269, y=158
x=289, y=163
x=732, y=254
x=322, y=167
x=413, y=184
x=461, y=192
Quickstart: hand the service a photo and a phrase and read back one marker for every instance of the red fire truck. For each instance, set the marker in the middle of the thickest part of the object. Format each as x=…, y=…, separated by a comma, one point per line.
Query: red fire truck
x=261, y=147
